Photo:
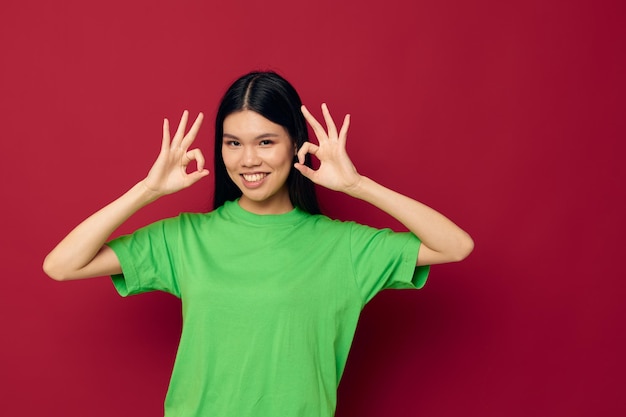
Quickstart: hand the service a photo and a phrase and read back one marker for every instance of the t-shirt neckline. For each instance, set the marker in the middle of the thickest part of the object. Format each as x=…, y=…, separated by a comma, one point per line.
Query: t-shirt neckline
x=290, y=217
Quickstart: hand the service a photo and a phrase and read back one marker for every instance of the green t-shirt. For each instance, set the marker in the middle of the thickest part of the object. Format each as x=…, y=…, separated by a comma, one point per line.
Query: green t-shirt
x=270, y=304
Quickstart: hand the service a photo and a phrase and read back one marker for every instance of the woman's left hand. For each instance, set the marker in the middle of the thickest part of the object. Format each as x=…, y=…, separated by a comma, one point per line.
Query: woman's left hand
x=336, y=171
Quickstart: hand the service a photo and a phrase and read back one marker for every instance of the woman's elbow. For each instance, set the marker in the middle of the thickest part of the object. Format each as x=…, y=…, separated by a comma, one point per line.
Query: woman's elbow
x=466, y=246
x=51, y=268
x=454, y=252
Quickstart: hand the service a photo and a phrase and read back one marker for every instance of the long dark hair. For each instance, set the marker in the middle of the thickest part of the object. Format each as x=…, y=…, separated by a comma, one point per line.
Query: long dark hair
x=271, y=96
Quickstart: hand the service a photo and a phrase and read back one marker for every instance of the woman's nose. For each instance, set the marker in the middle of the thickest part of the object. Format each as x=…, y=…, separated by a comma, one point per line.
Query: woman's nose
x=250, y=157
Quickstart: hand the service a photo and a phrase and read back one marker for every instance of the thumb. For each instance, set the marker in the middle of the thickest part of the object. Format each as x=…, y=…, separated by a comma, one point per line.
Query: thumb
x=197, y=176
x=304, y=170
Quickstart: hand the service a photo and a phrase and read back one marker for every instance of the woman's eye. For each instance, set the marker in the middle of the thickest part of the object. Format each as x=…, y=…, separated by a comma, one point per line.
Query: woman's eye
x=265, y=142
x=232, y=143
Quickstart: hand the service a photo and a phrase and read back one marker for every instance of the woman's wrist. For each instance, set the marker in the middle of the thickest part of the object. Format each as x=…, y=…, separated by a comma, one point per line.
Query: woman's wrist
x=359, y=188
x=145, y=194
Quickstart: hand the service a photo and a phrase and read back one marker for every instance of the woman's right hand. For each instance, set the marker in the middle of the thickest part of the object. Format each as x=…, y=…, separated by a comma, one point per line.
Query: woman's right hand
x=83, y=253
x=169, y=172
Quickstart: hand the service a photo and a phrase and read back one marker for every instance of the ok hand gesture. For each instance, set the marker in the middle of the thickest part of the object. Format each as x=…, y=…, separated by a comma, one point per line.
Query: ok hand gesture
x=169, y=172
x=336, y=171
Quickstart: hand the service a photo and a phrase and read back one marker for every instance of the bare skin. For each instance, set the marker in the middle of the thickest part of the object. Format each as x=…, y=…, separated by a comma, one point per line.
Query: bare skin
x=258, y=155
x=83, y=253
x=442, y=240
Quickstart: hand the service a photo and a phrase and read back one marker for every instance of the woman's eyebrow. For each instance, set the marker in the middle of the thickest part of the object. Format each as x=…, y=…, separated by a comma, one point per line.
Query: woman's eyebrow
x=261, y=136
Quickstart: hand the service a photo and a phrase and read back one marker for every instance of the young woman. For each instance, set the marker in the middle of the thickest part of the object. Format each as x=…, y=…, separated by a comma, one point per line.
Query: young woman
x=271, y=290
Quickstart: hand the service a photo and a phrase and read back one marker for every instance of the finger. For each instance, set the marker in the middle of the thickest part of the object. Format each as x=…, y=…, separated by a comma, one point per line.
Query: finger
x=318, y=129
x=195, y=155
x=305, y=170
x=343, y=133
x=191, y=135
x=180, y=132
x=330, y=123
x=165, y=143
x=196, y=176
x=307, y=147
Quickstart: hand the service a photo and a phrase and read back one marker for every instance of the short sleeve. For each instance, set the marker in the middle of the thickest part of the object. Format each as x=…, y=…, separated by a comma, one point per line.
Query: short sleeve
x=384, y=259
x=148, y=259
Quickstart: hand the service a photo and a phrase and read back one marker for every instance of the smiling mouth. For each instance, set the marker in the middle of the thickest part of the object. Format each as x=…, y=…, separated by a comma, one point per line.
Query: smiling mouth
x=254, y=177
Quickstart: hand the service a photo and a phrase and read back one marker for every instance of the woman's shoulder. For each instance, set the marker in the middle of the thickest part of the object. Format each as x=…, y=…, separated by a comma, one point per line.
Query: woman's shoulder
x=325, y=222
x=188, y=217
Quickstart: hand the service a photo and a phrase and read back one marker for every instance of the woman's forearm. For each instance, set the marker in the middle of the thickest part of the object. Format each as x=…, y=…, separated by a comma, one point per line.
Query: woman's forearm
x=442, y=240
x=81, y=254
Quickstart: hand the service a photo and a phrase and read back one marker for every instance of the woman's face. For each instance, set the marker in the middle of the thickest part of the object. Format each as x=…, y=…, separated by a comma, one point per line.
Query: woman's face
x=258, y=155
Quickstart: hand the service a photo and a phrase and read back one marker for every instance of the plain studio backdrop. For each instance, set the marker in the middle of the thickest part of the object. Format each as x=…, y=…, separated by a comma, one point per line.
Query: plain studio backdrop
x=507, y=116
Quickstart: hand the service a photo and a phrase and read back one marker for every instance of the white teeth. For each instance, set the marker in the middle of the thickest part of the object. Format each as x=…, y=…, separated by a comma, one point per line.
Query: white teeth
x=253, y=177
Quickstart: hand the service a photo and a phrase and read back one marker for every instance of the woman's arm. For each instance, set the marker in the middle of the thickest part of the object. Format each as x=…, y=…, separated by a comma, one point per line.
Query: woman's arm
x=442, y=240
x=83, y=253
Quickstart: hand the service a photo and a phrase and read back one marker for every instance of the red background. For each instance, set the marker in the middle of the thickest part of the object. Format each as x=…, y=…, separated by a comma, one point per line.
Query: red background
x=508, y=116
